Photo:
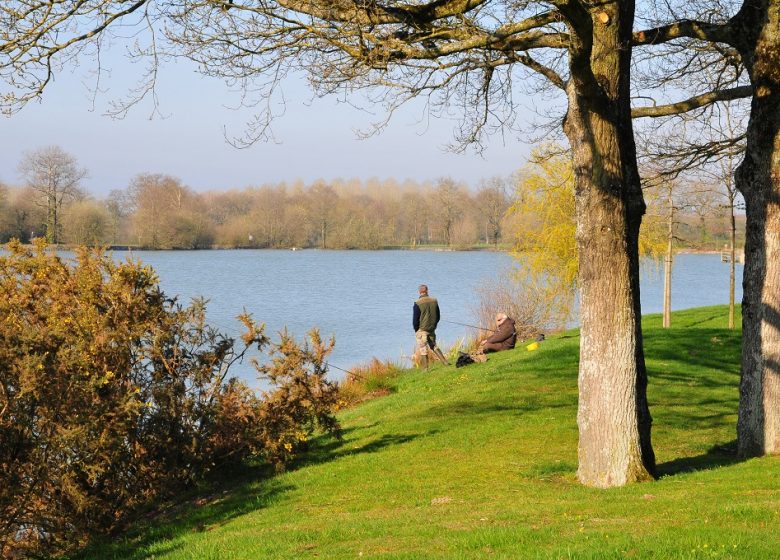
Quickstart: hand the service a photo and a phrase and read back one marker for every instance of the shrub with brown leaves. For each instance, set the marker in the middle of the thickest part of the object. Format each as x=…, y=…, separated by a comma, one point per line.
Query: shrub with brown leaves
x=113, y=395
x=303, y=399
x=532, y=306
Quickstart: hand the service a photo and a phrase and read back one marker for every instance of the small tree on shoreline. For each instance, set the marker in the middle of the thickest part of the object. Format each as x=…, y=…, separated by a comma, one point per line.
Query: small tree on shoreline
x=54, y=176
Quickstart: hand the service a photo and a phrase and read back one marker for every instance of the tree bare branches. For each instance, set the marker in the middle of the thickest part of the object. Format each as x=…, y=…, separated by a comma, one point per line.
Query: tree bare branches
x=39, y=36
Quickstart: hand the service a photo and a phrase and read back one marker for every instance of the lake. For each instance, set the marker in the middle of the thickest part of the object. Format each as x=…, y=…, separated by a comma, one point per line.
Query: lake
x=365, y=298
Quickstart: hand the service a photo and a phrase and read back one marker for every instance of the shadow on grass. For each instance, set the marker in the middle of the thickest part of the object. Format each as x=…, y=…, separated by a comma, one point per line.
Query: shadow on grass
x=716, y=350
x=721, y=455
x=241, y=490
x=460, y=409
x=325, y=449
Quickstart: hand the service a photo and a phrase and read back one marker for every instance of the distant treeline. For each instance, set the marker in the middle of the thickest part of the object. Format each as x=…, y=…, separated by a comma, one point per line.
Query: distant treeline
x=160, y=212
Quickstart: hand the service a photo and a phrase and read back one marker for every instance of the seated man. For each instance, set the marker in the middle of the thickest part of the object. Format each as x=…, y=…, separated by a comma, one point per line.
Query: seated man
x=503, y=338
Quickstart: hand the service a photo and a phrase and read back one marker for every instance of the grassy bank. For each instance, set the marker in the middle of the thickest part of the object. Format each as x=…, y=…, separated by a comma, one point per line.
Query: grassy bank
x=480, y=462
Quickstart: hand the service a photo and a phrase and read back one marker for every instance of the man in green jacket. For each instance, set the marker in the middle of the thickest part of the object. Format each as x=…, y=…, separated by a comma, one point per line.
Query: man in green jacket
x=425, y=317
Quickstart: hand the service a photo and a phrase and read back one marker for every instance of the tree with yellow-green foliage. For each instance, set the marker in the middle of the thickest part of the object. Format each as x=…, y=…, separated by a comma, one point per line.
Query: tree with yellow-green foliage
x=545, y=229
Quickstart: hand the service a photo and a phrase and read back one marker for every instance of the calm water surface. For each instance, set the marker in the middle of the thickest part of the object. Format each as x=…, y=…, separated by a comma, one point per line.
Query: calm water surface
x=365, y=298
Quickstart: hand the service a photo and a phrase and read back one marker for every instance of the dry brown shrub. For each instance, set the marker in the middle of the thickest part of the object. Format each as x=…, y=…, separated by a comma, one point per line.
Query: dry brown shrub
x=113, y=396
x=534, y=308
x=302, y=401
x=364, y=382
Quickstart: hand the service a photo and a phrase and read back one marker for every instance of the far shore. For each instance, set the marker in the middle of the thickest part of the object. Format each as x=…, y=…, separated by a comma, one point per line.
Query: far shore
x=433, y=248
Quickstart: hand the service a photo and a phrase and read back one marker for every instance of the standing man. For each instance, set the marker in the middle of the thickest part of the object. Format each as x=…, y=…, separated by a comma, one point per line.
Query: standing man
x=424, y=319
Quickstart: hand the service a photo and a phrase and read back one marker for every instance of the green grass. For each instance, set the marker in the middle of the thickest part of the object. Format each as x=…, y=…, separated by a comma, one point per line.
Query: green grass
x=480, y=462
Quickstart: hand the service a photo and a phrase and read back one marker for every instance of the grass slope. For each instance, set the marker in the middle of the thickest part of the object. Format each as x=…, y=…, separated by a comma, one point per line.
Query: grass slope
x=480, y=462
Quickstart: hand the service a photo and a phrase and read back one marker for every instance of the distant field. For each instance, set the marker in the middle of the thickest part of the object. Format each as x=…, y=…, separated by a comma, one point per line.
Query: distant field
x=480, y=462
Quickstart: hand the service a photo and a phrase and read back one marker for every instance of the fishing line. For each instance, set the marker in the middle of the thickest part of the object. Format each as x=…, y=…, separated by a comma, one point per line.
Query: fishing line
x=467, y=325
x=352, y=373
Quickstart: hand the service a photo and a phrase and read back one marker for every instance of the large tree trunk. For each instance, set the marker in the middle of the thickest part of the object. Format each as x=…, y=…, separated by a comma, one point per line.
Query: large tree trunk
x=758, y=178
x=613, y=416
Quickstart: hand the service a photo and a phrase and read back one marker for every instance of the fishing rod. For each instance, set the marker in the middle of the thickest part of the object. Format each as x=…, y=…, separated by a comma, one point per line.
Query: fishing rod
x=476, y=327
x=352, y=373
x=467, y=325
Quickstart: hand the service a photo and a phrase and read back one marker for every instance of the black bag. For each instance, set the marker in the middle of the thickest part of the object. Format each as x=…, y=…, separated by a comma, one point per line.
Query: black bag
x=463, y=360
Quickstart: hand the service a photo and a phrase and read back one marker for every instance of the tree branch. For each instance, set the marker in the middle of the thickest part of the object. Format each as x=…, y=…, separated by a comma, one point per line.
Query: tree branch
x=692, y=103
x=372, y=13
x=711, y=32
x=554, y=78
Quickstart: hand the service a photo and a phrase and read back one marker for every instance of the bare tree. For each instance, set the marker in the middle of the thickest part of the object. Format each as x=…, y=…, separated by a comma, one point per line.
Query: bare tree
x=21, y=218
x=54, y=176
x=5, y=212
x=493, y=203
x=416, y=216
x=723, y=175
x=3, y=202
x=321, y=200
x=752, y=37
x=665, y=202
x=448, y=206
x=720, y=175
x=38, y=38
x=701, y=200
x=168, y=214
x=88, y=223
x=120, y=206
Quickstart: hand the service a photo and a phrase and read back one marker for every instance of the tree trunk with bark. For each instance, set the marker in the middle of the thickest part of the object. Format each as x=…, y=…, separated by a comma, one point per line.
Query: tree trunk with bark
x=758, y=178
x=667, y=318
x=732, y=263
x=51, y=217
x=613, y=415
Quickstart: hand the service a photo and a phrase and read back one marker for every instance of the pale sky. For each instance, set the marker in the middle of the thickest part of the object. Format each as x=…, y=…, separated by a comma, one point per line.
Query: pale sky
x=317, y=140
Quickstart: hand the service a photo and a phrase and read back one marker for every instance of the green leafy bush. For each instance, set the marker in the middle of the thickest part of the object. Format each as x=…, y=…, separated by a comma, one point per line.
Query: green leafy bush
x=113, y=395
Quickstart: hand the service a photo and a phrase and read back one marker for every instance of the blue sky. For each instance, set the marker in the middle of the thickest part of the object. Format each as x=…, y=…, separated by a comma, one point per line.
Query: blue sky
x=317, y=139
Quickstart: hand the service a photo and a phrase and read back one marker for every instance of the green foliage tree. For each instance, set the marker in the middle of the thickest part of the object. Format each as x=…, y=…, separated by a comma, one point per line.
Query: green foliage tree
x=112, y=395
x=545, y=227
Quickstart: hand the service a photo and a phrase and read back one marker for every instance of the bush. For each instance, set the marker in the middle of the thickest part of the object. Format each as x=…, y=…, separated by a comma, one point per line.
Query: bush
x=303, y=400
x=534, y=308
x=112, y=395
